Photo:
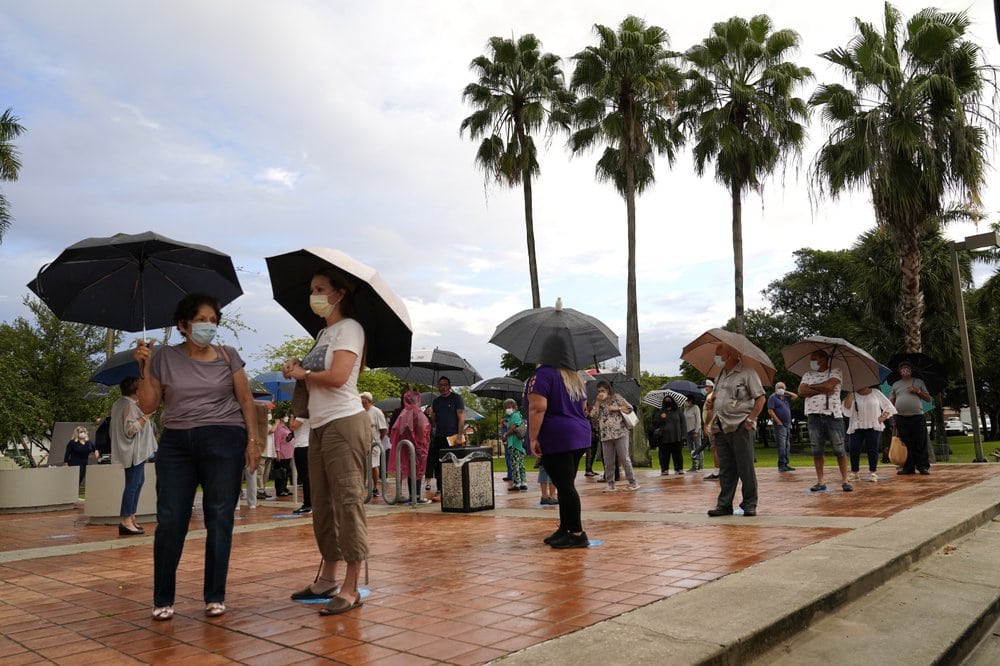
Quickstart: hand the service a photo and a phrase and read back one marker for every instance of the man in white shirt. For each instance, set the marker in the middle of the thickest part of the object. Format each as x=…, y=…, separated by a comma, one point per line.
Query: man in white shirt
x=825, y=416
x=379, y=429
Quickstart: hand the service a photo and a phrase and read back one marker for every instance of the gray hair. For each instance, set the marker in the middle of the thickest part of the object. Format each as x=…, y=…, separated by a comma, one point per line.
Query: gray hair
x=509, y=403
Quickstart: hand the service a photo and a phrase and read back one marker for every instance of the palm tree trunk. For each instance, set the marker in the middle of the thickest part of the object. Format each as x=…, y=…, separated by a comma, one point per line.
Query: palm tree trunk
x=632, y=308
x=738, y=255
x=529, y=227
x=910, y=294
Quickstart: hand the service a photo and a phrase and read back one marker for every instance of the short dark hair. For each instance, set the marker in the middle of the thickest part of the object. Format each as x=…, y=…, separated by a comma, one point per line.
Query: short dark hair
x=129, y=385
x=188, y=308
x=444, y=378
x=603, y=384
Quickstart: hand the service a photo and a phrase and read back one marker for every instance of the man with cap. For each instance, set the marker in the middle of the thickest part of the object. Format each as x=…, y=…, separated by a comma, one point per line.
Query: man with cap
x=379, y=429
x=906, y=395
x=779, y=408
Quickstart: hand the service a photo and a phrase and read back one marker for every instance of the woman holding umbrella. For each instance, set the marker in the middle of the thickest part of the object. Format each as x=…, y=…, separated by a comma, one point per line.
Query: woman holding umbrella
x=339, y=442
x=209, y=434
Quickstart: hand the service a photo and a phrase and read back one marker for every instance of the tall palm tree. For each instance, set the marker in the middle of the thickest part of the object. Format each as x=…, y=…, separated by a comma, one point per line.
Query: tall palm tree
x=910, y=128
x=519, y=90
x=10, y=163
x=626, y=86
x=740, y=108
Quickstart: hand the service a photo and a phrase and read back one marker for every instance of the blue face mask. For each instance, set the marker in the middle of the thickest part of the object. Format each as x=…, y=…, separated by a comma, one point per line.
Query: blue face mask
x=202, y=333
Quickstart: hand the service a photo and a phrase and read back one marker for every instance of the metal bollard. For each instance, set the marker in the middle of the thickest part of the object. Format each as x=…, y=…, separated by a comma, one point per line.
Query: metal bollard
x=383, y=473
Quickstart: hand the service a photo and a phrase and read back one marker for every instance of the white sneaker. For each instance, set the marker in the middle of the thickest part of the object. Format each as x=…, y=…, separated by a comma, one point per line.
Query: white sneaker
x=670, y=472
x=853, y=476
x=609, y=489
x=873, y=477
x=634, y=485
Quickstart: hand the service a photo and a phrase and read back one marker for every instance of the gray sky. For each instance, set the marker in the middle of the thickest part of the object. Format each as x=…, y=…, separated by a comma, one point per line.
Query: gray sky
x=261, y=127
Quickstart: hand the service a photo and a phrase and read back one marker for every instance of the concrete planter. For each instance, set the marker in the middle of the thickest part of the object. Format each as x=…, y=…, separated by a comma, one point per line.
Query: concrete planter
x=105, y=484
x=24, y=490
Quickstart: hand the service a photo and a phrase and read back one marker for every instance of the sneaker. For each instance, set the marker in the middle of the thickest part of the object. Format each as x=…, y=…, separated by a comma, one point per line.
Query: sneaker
x=423, y=500
x=522, y=487
x=633, y=486
x=819, y=487
x=853, y=476
x=663, y=472
x=873, y=477
x=303, y=510
x=720, y=511
x=713, y=475
x=847, y=487
x=679, y=471
x=555, y=535
x=570, y=540
x=609, y=489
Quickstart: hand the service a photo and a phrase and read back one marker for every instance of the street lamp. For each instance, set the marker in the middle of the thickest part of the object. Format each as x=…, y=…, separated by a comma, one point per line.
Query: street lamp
x=977, y=242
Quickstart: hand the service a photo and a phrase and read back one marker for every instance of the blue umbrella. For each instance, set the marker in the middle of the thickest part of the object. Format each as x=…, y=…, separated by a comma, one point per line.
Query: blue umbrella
x=685, y=388
x=117, y=368
x=276, y=385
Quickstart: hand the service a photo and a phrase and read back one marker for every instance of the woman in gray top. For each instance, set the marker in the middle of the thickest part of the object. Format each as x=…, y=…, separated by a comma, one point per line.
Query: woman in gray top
x=132, y=444
x=209, y=434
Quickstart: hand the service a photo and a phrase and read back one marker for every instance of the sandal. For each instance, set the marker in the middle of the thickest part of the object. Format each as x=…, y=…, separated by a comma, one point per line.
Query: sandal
x=339, y=605
x=307, y=594
x=215, y=609
x=163, y=613
x=819, y=487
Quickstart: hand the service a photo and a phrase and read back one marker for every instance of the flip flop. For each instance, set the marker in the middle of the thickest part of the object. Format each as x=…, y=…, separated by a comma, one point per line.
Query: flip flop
x=339, y=605
x=163, y=613
x=215, y=609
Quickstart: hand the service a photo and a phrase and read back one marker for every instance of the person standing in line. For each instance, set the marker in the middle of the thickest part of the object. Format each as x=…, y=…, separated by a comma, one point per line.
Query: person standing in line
x=709, y=387
x=669, y=429
x=132, y=444
x=868, y=410
x=410, y=423
x=692, y=421
x=820, y=386
x=779, y=408
x=79, y=450
x=380, y=428
x=514, y=443
x=209, y=434
x=266, y=460
x=300, y=456
x=608, y=417
x=907, y=395
x=447, y=419
x=559, y=432
x=732, y=410
x=284, y=449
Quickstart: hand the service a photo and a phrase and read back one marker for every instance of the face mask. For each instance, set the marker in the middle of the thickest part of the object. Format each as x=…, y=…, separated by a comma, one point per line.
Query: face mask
x=719, y=361
x=780, y=391
x=508, y=412
x=202, y=333
x=321, y=305
x=814, y=365
x=82, y=436
x=669, y=404
x=905, y=372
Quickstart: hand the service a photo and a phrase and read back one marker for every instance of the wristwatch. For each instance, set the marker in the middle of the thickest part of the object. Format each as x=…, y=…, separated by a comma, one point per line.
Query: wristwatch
x=306, y=376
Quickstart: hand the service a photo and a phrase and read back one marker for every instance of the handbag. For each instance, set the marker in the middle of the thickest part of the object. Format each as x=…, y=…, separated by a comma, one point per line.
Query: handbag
x=521, y=429
x=631, y=419
x=300, y=400
x=897, y=451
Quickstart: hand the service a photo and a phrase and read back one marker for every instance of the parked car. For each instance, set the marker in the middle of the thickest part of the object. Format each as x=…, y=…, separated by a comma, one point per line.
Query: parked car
x=956, y=427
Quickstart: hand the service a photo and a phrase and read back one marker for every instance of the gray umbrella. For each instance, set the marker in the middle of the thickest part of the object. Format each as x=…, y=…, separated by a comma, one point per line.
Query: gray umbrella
x=625, y=386
x=500, y=388
x=429, y=365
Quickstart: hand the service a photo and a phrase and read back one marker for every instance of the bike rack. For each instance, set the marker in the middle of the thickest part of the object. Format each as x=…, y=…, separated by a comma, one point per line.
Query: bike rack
x=383, y=473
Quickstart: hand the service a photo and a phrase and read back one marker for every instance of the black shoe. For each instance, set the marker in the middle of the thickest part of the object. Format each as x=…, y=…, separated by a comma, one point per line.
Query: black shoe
x=750, y=512
x=570, y=540
x=905, y=471
x=720, y=511
x=124, y=531
x=924, y=471
x=554, y=536
x=303, y=510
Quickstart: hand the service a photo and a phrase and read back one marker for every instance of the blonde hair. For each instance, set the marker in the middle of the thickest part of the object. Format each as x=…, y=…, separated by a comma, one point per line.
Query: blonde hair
x=573, y=383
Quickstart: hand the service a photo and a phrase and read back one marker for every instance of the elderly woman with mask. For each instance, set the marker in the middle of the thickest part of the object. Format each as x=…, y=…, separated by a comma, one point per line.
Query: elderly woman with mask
x=607, y=415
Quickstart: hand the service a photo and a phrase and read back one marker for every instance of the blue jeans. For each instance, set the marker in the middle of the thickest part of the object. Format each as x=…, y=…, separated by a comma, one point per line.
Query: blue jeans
x=135, y=476
x=869, y=439
x=212, y=457
x=781, y=440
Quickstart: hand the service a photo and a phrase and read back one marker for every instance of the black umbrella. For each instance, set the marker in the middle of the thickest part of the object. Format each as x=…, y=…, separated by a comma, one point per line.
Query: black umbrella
x=924, y=367
x=118, y=367
x=500, y=388
x=427, y=366
x=588, y=339
x=132, y=282
x=686, y=388
x=391, y=404
x=380, y=311
x=625, y=386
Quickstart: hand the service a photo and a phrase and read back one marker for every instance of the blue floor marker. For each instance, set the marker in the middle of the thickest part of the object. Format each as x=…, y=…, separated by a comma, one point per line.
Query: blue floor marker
x=364, y=595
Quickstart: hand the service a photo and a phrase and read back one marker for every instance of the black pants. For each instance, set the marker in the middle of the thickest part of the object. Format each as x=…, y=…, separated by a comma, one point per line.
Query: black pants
x=302, y=467
x=562, y=468
x=670, y=450
x=282, y=473
x=913, y=431
x=438, y=444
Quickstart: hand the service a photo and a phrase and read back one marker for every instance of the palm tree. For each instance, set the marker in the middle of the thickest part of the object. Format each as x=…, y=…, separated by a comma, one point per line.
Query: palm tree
x=519, y=90
x=626, y=86
x=739, y=107
x=910, y=128
x=10, y=163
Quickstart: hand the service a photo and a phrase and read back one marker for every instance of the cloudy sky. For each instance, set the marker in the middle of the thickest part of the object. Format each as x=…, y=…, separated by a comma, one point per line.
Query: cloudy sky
x=260, y=127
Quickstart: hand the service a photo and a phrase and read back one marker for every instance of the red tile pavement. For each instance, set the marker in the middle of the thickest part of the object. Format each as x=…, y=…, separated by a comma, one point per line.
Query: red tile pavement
x=444, y=588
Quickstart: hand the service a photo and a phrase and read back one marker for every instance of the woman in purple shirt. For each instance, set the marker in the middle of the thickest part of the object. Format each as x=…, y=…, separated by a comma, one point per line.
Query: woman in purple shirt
x=559, y=432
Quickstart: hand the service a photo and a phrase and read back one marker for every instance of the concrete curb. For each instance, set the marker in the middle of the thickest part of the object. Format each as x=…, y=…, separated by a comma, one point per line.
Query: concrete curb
x=737, y=617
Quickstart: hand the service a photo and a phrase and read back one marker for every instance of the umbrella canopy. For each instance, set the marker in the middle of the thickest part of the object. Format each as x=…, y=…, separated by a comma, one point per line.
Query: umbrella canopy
x=132, y=282
x=428, y=366
x=926, y=368
x=500, y=388
x=625, y=386
x=121, y=365
x=655, y=398
x=258, y=391
x=392, y=404
x=859, y=368
x=685, y=388
x=700, y=353
x=472, y=415
x=589, y=339
x=380, y=311
x=276, y=384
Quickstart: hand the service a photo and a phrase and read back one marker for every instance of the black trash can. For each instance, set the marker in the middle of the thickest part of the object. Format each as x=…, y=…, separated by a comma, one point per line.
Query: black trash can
x=466, y=479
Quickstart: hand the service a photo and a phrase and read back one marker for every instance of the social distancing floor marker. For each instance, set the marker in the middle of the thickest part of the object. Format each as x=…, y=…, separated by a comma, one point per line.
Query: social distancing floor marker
x=364, y=592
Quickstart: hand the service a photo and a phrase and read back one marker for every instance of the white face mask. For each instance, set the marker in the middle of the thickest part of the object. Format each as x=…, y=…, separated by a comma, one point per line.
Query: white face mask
x=508, y=411
x=814, y=365
x=202, y=333
x=719, y=361
x=82, y=436
x=780, y=391
x=320, y=304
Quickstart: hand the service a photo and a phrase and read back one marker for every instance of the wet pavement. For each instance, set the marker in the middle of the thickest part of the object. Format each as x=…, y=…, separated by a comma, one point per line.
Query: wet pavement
x=443, y=587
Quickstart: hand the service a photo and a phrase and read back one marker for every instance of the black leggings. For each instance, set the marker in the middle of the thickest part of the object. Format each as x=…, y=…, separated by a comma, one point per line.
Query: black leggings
x=673, y=450
x=562, y=468
x=301, y=454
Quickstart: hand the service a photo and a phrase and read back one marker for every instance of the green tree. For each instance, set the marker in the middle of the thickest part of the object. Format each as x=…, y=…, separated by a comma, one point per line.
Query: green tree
x=910, y=128
x=626, y=87
x=274, y=356
x=10, y=161
x=519, y=90
x=515, y=367
x=740, y=107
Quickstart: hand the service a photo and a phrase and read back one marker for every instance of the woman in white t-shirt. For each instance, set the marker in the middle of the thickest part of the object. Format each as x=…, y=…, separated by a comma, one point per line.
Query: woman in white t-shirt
x=339, y=440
